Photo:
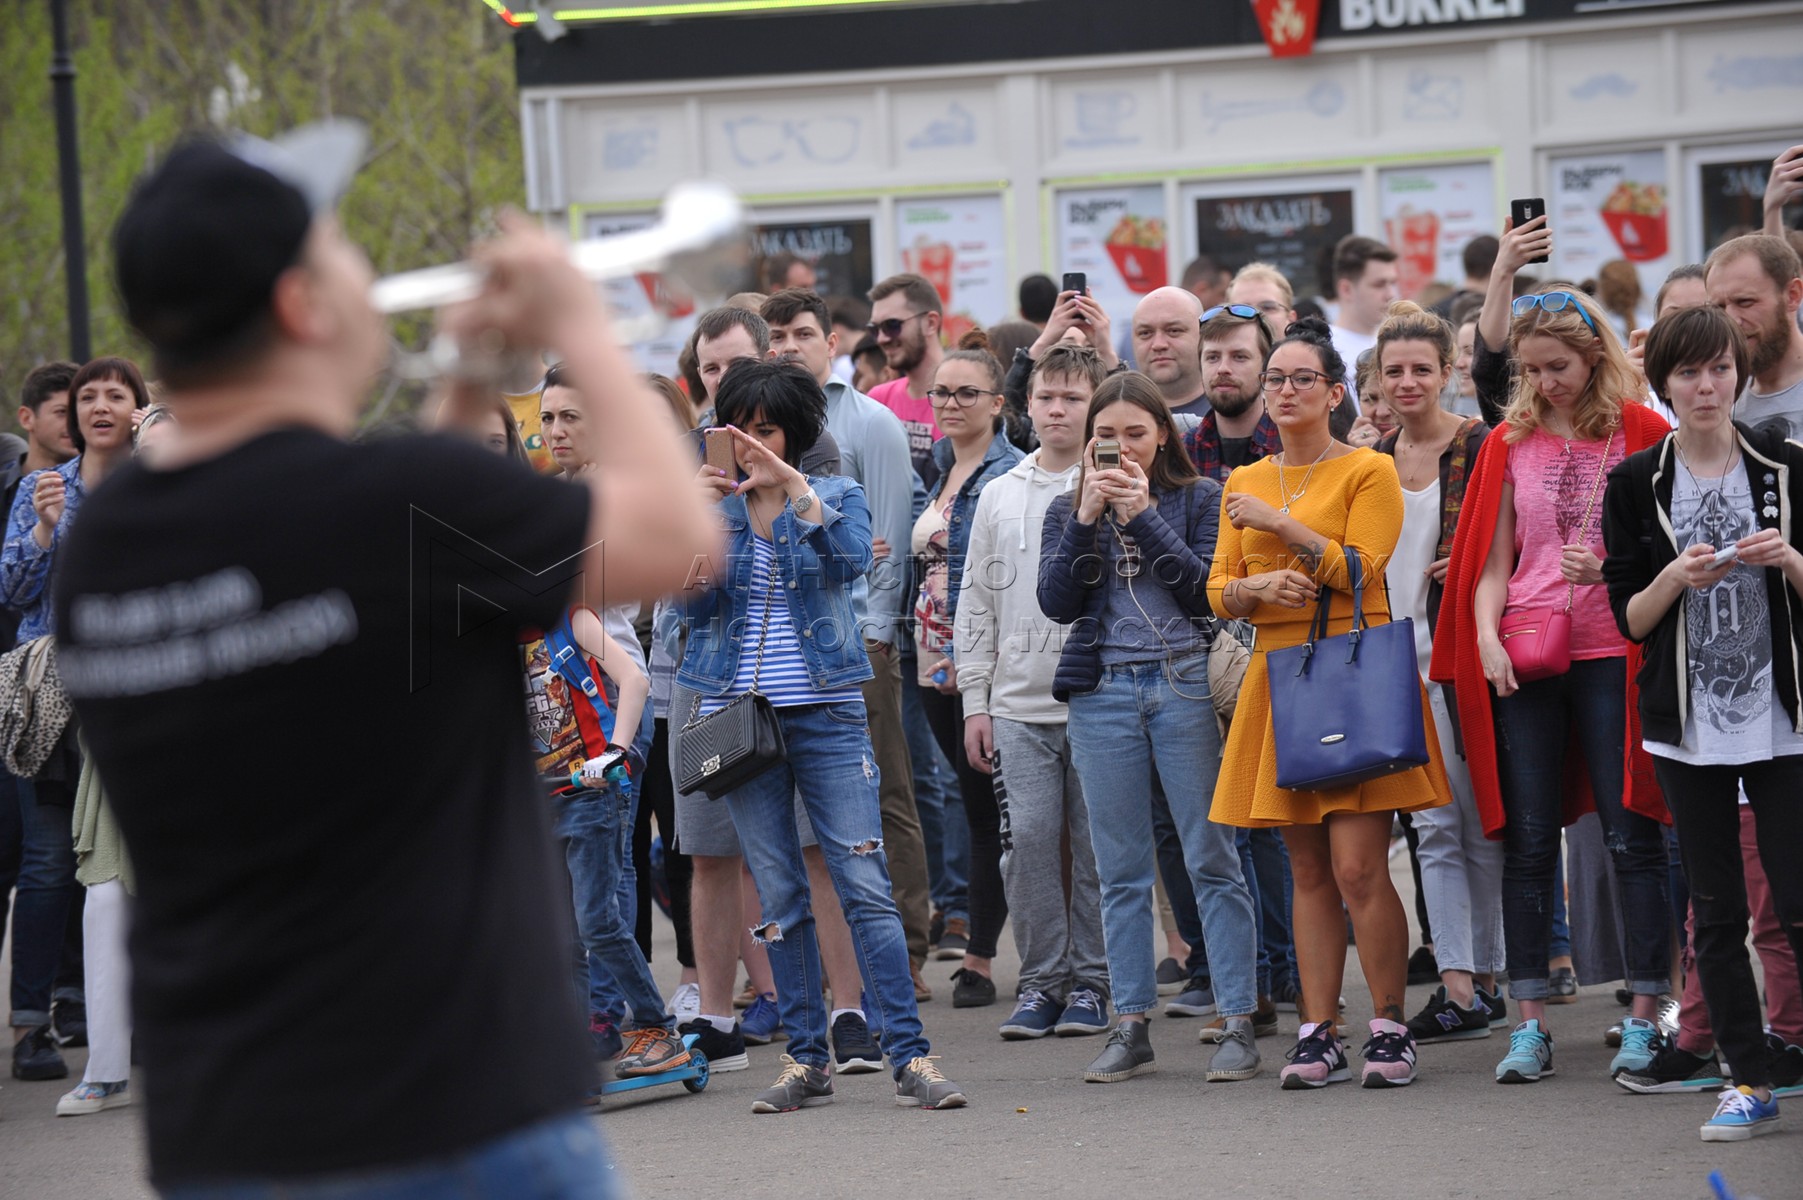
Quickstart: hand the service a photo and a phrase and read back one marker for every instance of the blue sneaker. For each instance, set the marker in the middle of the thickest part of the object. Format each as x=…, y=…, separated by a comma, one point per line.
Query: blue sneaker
x=1085, y=1012
x=1639, y=1043
x=1195, y=1000
x=1530, y=1055
x=1034, y=1016
x=760, y=1022
x=1741, y=1115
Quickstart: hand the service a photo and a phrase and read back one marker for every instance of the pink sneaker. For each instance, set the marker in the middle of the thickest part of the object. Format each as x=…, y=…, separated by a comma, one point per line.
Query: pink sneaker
x=1389, y=1056
x=1316, y=1060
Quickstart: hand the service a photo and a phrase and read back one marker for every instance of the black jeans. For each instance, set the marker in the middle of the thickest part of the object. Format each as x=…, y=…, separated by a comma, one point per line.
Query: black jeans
x=657, y=798
x=1705, y=804
x=988, y=903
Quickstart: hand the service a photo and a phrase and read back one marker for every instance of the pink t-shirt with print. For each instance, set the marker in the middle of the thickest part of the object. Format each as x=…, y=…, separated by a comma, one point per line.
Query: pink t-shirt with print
x=916, y=415
x=1553, y=485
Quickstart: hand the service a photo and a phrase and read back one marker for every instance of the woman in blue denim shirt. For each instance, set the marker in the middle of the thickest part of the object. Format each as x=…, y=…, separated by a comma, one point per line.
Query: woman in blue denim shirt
x=1125, y=559
x=967, y=404
x=802, y=541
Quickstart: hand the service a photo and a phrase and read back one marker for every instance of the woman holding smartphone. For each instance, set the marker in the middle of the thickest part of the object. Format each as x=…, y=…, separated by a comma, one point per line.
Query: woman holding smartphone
x=1124, y=560
x=1704, y=573
x=1529, y=544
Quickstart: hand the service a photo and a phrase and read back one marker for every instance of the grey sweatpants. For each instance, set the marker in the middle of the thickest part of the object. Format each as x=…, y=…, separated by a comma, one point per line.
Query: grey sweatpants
x=1059, y=935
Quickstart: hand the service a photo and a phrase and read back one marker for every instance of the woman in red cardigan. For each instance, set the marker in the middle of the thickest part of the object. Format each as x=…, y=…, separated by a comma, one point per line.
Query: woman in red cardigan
x=1543, y=751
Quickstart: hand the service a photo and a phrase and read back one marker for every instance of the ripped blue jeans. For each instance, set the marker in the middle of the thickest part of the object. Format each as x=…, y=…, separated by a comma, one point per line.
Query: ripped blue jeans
x=833, y=766
x=1582, y=711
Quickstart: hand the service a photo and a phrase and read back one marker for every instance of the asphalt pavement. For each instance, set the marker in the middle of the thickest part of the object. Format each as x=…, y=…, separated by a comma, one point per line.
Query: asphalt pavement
x=1034, y=1128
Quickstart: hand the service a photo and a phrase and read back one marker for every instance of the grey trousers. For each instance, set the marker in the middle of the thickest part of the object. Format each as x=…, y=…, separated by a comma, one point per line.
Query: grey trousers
x=1461, y=869
x=1059, y=935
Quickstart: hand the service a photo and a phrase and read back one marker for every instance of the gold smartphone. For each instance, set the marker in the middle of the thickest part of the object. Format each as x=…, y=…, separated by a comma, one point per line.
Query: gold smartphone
x=1108, y=455
x=719, y=451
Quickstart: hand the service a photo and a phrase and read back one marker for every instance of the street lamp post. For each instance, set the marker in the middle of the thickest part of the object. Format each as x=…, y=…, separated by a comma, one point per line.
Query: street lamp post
x=68, y=155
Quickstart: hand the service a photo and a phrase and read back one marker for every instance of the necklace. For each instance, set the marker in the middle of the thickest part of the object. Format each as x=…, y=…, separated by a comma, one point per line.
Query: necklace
x=1721, y=480
x=1282, y=466
x=1408, y=477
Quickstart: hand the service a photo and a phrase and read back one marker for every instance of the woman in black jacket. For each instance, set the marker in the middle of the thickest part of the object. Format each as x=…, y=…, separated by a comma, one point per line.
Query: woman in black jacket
x=1704, y=572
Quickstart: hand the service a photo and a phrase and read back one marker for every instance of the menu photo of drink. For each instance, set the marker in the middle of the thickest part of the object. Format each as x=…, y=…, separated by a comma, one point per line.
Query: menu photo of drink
x=1118, y=238
x=1607, y=206
x=1429, y=213
x=961, y=247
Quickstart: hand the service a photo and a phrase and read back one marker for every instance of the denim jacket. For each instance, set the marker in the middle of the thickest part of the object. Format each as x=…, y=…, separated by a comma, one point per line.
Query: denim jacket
x=998, y=460
x=816, y=563
x=25, y=565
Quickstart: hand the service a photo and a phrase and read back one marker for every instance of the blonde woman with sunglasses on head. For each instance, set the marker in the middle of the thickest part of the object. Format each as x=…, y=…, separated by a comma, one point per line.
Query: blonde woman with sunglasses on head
x=1527, y=560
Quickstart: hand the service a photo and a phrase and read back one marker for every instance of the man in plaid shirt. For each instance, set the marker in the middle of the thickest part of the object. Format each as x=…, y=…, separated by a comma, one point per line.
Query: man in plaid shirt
x=1236, y=430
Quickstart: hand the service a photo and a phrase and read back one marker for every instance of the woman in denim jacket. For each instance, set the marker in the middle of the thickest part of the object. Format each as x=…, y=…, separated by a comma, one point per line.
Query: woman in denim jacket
x=1125, y=559
x=967, y=404
x=802, y=541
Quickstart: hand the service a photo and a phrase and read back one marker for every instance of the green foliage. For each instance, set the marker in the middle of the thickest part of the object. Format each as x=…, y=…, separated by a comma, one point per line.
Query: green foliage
x=433, y=80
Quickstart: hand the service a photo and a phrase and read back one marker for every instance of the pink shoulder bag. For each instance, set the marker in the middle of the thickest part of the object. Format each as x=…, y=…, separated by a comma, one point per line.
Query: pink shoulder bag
x=1538, y=640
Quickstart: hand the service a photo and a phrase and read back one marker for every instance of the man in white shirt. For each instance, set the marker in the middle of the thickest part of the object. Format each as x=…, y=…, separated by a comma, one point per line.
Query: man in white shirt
x=1364, y=279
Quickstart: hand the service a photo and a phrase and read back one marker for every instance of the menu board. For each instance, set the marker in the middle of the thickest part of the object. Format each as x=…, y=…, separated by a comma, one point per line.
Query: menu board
x=1429, y=214
x=1118, y=238
x=1733, y=195
x=1607, y=206
x=1293, y=231
x=961, y=246
x=838, y=249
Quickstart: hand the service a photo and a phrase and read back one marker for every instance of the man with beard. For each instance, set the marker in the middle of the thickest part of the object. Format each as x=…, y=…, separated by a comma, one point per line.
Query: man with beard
x=1167, y=347
x=1235, y=343
x=906, y=315
x=1758, y=281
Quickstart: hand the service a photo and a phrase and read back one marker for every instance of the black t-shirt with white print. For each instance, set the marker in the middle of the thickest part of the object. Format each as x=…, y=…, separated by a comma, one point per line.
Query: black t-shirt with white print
x=296, y=666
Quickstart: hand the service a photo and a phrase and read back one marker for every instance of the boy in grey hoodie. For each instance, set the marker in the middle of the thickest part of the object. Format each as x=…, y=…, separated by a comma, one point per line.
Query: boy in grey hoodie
x=1007, y=651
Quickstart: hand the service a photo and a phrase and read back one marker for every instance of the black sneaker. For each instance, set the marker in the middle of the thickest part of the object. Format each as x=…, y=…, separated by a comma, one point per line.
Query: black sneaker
x=36, y=1057
x=799, y=1086
x=954, y=940
x=1423, y=967
x=935, y=928
x=1785, y=1062
x=1171, y=977
x=971, y=990
x=70, y=1020
x=724, y=1051
x=854, y=1050
x=1674, y=1070
x=1494, y=1004
x=1444, y=1021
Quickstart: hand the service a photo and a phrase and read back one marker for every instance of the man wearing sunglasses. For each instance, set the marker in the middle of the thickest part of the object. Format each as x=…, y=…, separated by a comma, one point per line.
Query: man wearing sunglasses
x=1235, y=343
x=906, y=315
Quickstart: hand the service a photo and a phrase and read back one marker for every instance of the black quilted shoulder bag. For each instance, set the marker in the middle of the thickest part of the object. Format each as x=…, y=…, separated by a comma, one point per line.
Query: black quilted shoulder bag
x=729, y=748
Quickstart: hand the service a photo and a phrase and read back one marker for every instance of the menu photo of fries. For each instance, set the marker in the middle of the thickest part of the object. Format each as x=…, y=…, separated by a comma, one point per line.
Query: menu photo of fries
x=1636, y=216
x=1137, y=246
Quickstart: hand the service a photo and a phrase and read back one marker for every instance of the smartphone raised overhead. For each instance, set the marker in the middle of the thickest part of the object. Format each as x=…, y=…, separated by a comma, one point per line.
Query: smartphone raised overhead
x=1525, y=210
x=719, y=450
x=1075, y=281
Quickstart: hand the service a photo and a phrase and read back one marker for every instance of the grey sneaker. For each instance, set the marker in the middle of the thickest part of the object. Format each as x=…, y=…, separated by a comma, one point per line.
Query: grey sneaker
x=1237, y=1057
x=920, y=1085
x=799, y=1086
x=1127, y=1053
x=1195, y=1000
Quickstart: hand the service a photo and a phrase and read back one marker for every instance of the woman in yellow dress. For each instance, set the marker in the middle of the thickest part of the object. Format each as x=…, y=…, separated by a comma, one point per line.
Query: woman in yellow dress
x=1285, y=524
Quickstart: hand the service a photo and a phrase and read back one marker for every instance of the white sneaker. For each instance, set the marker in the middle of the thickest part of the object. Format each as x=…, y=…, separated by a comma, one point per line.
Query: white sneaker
x=93, y=1098
x=685, y=1004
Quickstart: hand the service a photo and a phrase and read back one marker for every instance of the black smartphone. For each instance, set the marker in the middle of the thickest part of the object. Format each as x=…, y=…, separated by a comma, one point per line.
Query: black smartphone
x=1075, y=281
x=1523, y=211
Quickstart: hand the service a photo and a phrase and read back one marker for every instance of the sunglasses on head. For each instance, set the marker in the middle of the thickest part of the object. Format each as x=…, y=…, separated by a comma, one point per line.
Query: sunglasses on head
x=1244, y=312
x=1552, y=302
x=892, y=327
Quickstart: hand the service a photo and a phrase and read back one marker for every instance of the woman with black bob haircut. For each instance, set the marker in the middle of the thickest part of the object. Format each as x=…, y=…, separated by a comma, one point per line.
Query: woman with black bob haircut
x=1704, y=572
x=777, y=619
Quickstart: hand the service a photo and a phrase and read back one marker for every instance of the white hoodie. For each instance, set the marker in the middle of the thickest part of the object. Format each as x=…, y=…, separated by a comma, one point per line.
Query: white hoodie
x=998, y=605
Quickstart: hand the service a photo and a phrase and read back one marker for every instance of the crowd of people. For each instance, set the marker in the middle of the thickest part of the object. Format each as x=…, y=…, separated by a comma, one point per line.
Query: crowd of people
x=998, y=637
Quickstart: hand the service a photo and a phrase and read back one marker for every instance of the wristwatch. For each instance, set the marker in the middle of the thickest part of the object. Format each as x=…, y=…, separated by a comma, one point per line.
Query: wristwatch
x=804, y=503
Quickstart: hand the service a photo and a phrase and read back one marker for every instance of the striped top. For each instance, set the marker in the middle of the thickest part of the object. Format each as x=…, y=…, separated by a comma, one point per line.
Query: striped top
x=784, y=679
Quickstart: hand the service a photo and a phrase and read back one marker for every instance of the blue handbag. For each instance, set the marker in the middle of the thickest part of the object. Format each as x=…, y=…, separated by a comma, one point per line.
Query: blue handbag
x=1346, y=709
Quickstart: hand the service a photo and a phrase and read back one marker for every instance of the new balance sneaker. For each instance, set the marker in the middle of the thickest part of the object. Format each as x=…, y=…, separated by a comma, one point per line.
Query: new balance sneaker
x=725, y=1051
x=1741, y=1115
x=1423, y=968
x=1444, y=1021
x=920, y=1085
x=1316, y=1060
x=1035, y=1015
x=1674, y=1070
x=1786, y=1066
x=1127, y=1053
x=1562, y=986
x=36, y=1057
x=1285, y=994
x=1195, y=1000
x=70, y=1020
x=1389, y=1056
x=1237, y=1056
x=969, y=988
x=92, y=1098
x=799, y=1086
x=1494, y=1005
x=1530, y=1055
x=954, y=941
x=855, y=1052
x=761, y=1023
x=649, y=1051
x=1639, y=1042
x=685, y=1003
x=1085, y=1013
x=1264, y=1023
x=1171, y=977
